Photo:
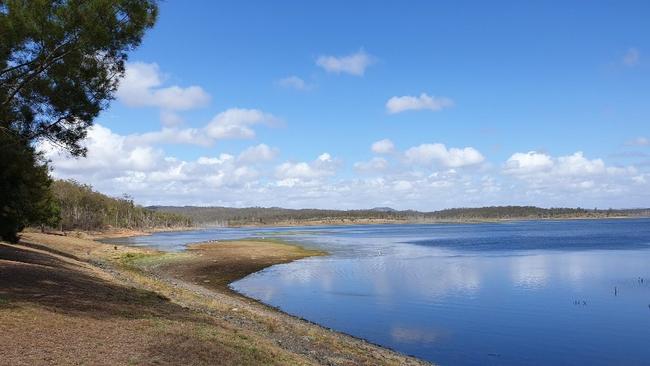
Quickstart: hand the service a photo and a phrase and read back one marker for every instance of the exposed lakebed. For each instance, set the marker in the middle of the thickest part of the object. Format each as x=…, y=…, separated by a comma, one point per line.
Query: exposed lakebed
x=512, y=293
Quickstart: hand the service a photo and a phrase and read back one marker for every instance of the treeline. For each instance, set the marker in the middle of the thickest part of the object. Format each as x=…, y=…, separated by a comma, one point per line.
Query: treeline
x=226, y=216
x=82, y=208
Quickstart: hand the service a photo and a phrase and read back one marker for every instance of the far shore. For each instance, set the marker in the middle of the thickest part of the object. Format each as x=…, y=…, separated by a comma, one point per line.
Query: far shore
x=72, y=300
x=349, y=222
x=114, y=233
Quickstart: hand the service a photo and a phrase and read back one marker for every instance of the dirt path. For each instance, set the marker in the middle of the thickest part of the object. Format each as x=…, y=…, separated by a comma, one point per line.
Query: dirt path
x=74, y=301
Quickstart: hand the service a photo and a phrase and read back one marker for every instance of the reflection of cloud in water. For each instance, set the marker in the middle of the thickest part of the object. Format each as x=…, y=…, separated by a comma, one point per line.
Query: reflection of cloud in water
x=402, y=334
x=574, y=268
x=444, y=279
x=529, y=271
x=265, y=294
x=303, y=272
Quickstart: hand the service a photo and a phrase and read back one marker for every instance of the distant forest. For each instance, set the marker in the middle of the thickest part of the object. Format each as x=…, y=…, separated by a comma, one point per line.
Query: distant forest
x=82, y=208
x=226, y=216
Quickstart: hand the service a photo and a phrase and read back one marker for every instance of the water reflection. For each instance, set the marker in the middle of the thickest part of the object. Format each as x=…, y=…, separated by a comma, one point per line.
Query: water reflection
x=521, y=293
x=529, y=272
x=466, y=305
x=402, y=334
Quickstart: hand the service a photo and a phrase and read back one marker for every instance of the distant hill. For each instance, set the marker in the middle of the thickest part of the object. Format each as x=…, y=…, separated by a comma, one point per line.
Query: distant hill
x=383, y=209
x=228, y=216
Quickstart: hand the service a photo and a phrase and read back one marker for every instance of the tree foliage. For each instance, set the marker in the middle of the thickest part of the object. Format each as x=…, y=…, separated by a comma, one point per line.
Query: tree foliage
x=82, y=208
x=25, y=195
x=60, y=63
x=228, y=216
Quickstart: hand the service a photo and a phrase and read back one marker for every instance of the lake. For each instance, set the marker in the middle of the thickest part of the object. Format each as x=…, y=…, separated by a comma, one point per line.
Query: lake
x=513, y=293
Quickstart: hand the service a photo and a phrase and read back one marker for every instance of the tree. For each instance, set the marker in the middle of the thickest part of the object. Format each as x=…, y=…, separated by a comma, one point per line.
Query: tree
x=60, y=63
x=25, y=195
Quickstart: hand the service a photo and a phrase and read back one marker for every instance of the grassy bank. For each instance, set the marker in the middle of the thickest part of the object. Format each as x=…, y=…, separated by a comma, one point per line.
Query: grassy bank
x=67, y=300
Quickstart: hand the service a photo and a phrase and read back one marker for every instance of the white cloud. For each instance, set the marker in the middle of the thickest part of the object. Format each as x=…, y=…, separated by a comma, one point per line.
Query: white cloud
x=374, y=165
x=570, y=180
x=426, y=154
x=384, y=146
x=428, y=177
x=424, y=101
x=403, y=185
x=235, y=123
x=142, y=86
x=170, y=119
x=354, y=64
x=172, y=135
x=294, y=82
x=259, y=153
x=528, y=162
x=541, y=165
x=323, y=166
x=108, y=153
x=639, y=141
x=632, y=57
x=577, y=165
x=116, y=164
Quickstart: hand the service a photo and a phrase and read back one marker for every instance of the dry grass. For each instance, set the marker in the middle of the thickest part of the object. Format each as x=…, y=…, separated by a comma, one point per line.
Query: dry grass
x=71, y=301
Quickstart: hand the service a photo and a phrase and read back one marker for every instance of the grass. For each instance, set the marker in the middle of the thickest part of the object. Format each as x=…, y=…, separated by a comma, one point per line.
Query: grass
x=148, y=307
x=4, y=302
x=149, y=260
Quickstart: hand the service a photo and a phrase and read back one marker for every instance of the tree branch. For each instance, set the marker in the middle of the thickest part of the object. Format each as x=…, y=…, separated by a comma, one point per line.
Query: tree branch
x=29, y=78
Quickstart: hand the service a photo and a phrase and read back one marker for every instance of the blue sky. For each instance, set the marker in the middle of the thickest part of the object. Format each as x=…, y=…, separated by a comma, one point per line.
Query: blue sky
x=545, y=104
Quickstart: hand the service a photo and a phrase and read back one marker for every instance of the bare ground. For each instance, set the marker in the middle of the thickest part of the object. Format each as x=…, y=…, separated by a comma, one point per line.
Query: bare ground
x=71, y=301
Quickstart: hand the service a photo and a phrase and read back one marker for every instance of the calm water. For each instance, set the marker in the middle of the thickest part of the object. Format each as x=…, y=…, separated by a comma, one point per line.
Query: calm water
x=518, y=293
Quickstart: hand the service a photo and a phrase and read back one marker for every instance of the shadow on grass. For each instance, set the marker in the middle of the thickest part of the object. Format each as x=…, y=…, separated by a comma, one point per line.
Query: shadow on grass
x=46, y=281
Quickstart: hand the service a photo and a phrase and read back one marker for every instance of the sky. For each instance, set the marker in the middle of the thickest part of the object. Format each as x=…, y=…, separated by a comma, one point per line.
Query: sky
x=413, y=105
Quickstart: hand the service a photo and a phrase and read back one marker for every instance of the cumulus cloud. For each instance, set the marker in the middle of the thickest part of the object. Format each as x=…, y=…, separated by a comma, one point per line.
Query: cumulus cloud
x=233, y=123
x=571, y=180
x=170, y=119
x=115, y=164
x=529, y=162
x=424, y=101
x=172, y=135
x=425, y=177
x=294, y=82
x=323, y=166
x=632, y=57
x=426, y=154
x=374, y=165
x=236, y=123
x=259, y=153
x=384, y=146
x=353, y=64
x=108, y=153
x=575, y=165
x=142, y=87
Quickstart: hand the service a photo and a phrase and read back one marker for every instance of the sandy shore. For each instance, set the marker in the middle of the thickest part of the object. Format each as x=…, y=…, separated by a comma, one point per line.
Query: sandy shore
x=67, y=300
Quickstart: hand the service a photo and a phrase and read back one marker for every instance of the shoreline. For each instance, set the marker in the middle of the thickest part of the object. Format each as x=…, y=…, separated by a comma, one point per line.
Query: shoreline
x=325, y=223
x=127, y=233
x=194, y=284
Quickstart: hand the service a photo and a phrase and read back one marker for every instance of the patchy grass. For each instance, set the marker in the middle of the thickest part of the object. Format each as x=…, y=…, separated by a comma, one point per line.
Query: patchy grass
x=76, y=301
x=149, y=260
x=4, y=302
